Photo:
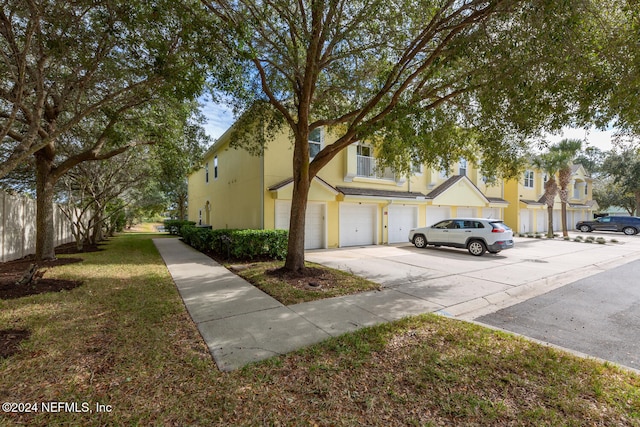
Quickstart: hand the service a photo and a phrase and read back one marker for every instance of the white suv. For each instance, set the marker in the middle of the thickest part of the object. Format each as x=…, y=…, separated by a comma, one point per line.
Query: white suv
x=478, y=235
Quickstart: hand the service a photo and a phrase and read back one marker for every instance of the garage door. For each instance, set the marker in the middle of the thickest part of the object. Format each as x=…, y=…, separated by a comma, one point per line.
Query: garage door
x=401, y=220
x=491, y=213
x=526, y=223
x=435, y=214
x=541, y=221
x=466, y=213
x=314, y=229
x=357, y=224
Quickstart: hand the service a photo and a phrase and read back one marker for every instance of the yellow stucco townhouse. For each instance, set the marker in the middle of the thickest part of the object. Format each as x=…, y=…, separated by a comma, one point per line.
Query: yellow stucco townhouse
x=527, y=211
x=351, y=202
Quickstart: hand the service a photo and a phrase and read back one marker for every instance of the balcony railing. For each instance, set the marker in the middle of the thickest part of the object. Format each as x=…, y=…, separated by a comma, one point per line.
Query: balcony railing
x=367, y=167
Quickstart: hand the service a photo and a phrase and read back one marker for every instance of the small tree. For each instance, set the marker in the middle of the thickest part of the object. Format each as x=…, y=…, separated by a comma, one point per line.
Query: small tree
x=549, y=164
x=624, y=169
x=565, y=151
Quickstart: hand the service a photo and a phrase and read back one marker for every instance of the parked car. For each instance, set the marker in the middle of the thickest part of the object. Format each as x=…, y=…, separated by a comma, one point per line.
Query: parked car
x=477, y=235
x=629, y=225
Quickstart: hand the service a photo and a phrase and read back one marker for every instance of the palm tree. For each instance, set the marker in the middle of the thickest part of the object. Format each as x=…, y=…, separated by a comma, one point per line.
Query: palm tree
x=565, y=151
x=549, y=164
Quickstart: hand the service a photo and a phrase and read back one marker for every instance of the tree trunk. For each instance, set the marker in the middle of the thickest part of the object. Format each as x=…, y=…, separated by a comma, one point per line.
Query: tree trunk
x=96, y=234
x=565, y=230
x=45, y=183
x=550, y=222
x=301, y=186
x=564, y=199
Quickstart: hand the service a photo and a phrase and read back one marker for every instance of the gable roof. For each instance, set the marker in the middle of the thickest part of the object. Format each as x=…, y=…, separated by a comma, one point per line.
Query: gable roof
x=474, y=196
x=289, y=181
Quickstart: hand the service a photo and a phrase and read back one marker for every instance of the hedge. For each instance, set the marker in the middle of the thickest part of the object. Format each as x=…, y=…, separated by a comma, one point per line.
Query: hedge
x=173, y=226
x=238, y=244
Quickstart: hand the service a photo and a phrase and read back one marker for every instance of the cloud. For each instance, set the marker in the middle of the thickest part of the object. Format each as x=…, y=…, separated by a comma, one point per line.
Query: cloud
x=219, y=118
x=594, y=137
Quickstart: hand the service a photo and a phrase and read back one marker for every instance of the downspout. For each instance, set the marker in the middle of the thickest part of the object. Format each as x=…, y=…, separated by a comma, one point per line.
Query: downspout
x=262, y=191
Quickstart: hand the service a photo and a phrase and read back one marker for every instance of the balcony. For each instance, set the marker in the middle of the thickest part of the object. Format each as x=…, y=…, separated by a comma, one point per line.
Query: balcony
x=367, y=168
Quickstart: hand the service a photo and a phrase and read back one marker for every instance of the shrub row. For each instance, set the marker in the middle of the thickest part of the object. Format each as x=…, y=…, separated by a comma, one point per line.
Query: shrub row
x=173, y=226
x=238, y=244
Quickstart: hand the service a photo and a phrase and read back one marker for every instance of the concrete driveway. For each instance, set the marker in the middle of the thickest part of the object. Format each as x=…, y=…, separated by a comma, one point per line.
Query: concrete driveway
x=471, y=286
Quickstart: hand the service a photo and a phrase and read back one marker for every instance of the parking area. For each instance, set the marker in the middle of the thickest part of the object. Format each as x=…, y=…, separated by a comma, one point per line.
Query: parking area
x=466, y=286
x=580, y=296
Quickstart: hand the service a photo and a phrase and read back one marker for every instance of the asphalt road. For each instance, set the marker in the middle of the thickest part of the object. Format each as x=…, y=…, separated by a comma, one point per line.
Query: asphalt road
x=598, y=316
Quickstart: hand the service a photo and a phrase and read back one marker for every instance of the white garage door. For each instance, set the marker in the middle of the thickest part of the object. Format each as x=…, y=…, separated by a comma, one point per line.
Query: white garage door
x=357, y=224
x=401, y=220
x=491, y=213
x=541, y=225
x=466, y=213
x=435, y=214
x=526, y=224
x=314, y=229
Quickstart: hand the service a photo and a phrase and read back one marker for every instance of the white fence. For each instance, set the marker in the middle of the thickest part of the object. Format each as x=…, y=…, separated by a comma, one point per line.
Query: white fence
x=18, y=227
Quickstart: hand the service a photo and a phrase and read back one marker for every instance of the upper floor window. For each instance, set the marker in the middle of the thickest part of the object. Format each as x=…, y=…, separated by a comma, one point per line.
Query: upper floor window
x=416, y=168
x=444, y=173
x=215, y=167
x=528, y=179
x=206, y=172
x=364, y=150
x=315, y=142
x=462, y=167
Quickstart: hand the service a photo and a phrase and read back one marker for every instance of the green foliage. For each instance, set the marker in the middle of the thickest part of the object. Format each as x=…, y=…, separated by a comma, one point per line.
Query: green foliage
x=238, y=244
x=174, y=226
x=623, y=171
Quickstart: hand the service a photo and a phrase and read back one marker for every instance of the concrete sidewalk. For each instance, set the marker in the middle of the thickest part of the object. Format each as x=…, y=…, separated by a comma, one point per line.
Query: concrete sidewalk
x=242, y=324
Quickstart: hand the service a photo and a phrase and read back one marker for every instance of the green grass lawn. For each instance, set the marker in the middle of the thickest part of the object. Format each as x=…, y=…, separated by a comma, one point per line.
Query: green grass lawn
x=125, y=341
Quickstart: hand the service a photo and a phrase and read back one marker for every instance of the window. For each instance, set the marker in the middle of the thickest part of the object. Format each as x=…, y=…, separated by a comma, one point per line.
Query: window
x=364, y=150
x=462, y=167
x=315, y=142
x=586, y=188
x=528, y=179
x=416, y=168
x=444, y=173
x=206, y=172
x=215, y=167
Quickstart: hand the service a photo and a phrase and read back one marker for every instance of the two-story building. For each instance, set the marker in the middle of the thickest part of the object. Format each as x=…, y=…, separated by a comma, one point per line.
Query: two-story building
x=527, y=211
x=351, y=201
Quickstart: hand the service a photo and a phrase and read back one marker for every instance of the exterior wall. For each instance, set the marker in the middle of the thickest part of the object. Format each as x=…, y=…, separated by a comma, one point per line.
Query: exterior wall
x=237, y=185
x=533, y=218
x=248, y=189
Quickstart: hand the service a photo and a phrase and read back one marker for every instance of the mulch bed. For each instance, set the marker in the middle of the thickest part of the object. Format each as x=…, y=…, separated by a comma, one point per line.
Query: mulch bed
x=12, y=271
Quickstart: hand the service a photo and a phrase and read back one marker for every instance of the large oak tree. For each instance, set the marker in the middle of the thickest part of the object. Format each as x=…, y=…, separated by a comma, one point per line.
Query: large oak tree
x=84, y=80
x=425, y=80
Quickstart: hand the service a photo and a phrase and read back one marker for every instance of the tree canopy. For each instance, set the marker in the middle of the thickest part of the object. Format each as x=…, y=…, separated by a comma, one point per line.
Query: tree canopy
x=425, y=81
x=85, y=81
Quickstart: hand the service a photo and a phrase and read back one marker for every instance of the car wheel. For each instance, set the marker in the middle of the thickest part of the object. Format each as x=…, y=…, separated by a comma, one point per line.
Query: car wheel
x=420, y=241
x=585, y=228
x=477, y=248
x=629, y=231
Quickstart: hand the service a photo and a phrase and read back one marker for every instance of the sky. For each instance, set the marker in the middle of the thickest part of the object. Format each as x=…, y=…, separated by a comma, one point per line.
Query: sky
x=220, y=118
